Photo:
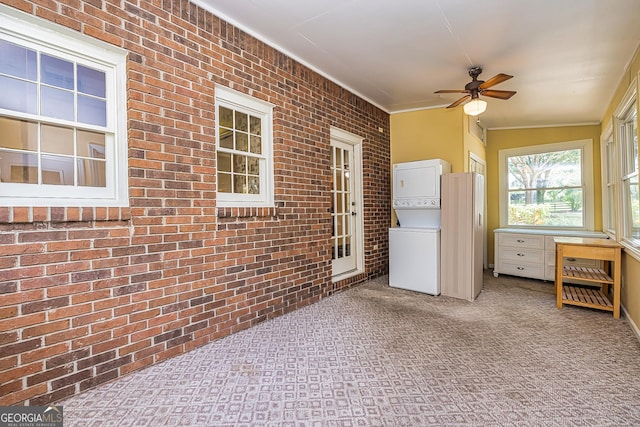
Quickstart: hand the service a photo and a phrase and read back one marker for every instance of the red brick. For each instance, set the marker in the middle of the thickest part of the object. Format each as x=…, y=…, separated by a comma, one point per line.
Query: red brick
x=44, y=353
x=172, y=268
x=45, y=329
x=22, y=321
x=30, y=248
x=68, y=335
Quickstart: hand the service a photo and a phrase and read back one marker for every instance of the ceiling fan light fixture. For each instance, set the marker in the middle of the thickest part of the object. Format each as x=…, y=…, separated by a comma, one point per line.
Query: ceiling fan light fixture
x=474, y=107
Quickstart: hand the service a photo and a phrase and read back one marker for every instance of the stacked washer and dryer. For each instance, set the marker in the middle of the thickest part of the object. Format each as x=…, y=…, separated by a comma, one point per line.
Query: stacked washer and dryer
x=414, y=245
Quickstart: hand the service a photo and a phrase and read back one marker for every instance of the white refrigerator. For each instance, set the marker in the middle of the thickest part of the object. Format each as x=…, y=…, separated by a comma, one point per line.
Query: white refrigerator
x=462, y=233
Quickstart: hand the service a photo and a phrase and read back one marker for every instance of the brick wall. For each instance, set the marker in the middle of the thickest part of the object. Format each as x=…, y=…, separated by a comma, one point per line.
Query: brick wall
x=90, y=294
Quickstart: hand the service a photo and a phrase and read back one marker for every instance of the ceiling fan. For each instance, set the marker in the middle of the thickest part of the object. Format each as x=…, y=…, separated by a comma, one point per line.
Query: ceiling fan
x=475, y=88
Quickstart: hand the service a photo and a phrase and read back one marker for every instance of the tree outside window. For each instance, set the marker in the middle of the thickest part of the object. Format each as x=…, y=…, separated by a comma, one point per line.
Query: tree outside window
x=545, y=188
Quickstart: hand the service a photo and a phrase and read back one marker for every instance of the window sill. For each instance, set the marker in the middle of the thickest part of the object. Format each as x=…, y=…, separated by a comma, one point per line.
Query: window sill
x=246, y=212
x=631, y=250
x=31, y=214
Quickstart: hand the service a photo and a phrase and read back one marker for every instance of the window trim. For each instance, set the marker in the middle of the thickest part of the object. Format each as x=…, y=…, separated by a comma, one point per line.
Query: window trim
x=238, y=101
x=629, y=100
x=48, y=37
x=609, y=222
x=586, y=145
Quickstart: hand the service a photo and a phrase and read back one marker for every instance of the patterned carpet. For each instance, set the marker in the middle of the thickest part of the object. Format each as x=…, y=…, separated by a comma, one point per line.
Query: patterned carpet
x=379, y=356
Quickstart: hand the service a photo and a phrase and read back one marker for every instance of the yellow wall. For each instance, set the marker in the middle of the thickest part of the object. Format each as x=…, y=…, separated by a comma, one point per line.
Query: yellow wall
x=471, y=144
x=630, y=294
x=512, y=138
x=628, y=78
x=428, y=134
x=433, y=134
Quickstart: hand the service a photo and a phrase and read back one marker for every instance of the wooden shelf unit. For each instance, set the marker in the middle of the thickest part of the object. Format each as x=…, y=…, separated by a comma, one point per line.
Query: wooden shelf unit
x=605, y=292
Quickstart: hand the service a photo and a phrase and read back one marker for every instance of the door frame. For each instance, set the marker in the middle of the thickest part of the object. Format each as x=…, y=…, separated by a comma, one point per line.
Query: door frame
x=348, y=138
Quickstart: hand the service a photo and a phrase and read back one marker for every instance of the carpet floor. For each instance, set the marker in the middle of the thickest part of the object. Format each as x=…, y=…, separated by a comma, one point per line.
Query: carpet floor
x=380, y=356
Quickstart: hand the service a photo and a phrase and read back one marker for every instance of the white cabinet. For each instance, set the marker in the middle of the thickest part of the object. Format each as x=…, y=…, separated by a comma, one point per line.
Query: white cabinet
x=532, y=253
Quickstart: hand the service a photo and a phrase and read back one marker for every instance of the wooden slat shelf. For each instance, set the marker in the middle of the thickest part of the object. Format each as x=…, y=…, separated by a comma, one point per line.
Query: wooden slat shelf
x=586, y=273
x=586, y=297
x=604, y=294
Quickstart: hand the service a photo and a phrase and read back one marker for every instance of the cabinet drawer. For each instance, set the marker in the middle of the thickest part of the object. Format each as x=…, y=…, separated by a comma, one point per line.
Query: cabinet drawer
x=578, y=262
x=535, y=271
x=522, y=254
x=521, y=240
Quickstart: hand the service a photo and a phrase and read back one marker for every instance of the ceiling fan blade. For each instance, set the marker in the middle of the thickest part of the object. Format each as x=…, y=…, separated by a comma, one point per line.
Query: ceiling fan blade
x=498, y=78
x=451, y=91
x=500, y=94
x=459, y=101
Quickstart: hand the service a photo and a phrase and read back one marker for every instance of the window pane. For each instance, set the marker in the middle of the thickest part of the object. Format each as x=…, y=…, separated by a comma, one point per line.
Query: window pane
x=253, y=165
x=15, y=167
x=18, y=134
x=630, y=136
x=57, y=103
x=90, y=144
x=546, y=207
x=224, y=162
x=256, y=144
x=56, y=72
x=239, y=163
x=254, y=184
x=256, y=125
x=17, y=61
x=92, y=173
x=224, y=183
x=18, y=95
x=545, y=170
x=242, y=142
x=226, y=117
x=611, y=208
x=56, y=139
x=91, y=82
x=241, y=121
x=226, y=138
x=239, y=184
x=57, y=170
x=92, y=111
x=24, y=174
x=633, y=208
x=545, y=189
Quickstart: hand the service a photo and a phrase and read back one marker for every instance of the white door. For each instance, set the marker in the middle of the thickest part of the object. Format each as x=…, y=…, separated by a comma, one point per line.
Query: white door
x=476, y=164
x=346, y=210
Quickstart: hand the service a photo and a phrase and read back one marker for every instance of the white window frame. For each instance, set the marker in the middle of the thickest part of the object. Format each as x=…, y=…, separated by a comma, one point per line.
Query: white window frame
x=628, y=102
x=609, y=173
x=585, y=145
x=238, y=101
x=47, y=37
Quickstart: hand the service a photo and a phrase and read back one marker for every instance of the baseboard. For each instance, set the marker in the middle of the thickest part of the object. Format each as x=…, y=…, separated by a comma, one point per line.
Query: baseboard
x=634, y=327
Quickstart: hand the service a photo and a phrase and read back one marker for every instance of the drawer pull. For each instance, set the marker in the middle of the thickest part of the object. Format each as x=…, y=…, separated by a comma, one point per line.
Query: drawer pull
x=571, y=259
x=520, y=241
x=520, y=254
x=520, y=268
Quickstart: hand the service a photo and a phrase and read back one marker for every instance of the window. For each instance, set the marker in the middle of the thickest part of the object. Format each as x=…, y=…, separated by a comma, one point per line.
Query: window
x=546, y=186
x=62, y=116
x=627, y=135
x=609, y=200
x=244, y=150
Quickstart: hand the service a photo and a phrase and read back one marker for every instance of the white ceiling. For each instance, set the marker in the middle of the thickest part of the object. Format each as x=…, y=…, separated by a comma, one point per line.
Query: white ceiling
x=566, y=56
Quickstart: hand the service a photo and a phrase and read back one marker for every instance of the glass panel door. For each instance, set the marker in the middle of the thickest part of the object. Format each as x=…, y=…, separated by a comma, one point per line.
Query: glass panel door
x=343, y=210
